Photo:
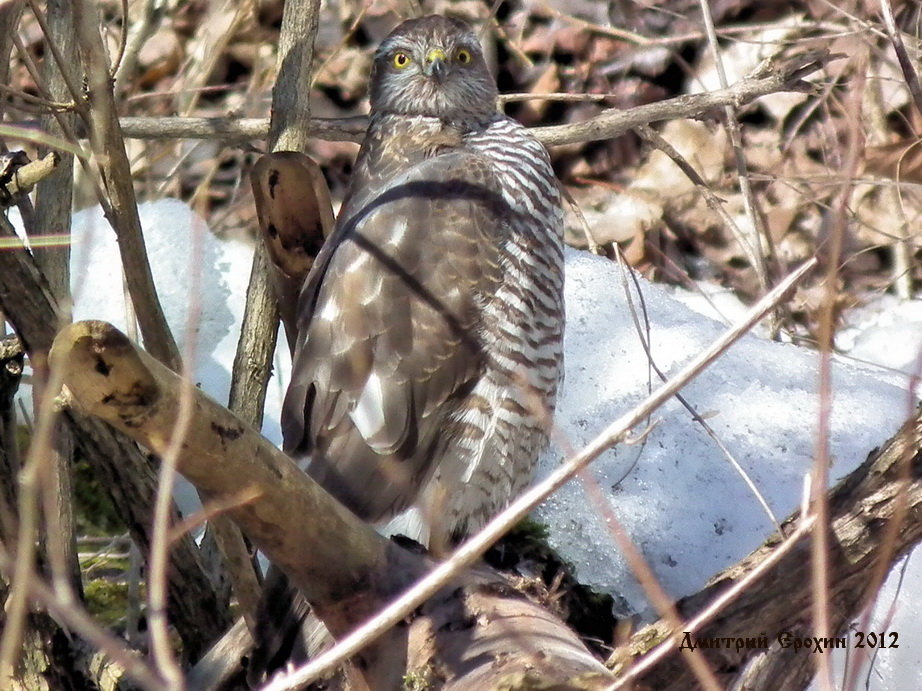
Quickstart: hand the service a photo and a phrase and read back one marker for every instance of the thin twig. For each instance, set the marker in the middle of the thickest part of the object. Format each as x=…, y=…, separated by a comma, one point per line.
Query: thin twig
x=553, y=96
x=907, y=64
x=902, y=248
x=122, y=41
x=717, y=605
x=64, y=64
x=766, y=79
x=163, y=507
x=221, y=22
x=109, y=149
x=136, y=36
x=42, y=105
x=658, y=596
x=34, y=472
x=645, y=344
x=474, y=547
x=611, y=32
x=752, y=246
x=888, y=544
x=212, y=510
x=819, y=546
x=347, y=35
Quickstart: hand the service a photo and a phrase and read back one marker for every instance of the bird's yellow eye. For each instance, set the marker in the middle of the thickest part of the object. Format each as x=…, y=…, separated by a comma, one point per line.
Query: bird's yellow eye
x=401, y=60
x=463, y=57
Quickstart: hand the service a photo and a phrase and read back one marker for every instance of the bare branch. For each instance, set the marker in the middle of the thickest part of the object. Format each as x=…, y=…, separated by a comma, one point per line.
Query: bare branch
x=129, y=389
x=10, y=14
x=767, y=79
x=53, y=210
x=347, y=571
x=291, y=111
x=907, y=64
x=289, y=130
x=121, y=206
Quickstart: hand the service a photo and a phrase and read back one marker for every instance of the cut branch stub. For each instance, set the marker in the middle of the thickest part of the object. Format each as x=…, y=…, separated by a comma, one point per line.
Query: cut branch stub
x=294, y=207
x=18, y=175
x=295, y=216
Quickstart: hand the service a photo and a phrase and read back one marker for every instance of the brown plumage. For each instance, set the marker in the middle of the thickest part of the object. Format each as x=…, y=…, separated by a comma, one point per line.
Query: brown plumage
x=432, y=321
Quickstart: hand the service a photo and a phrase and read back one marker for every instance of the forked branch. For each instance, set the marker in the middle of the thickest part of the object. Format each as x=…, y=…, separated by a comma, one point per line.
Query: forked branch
x=345, y=569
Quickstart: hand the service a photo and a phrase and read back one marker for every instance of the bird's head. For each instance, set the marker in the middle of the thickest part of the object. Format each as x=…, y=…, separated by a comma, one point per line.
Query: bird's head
x=433, y=66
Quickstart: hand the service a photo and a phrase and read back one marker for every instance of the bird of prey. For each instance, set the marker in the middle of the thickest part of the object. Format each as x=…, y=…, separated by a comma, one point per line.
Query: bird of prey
x=430, y=329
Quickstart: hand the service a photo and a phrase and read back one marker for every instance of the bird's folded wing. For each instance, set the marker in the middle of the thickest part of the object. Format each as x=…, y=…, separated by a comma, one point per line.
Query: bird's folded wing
x=390, y=331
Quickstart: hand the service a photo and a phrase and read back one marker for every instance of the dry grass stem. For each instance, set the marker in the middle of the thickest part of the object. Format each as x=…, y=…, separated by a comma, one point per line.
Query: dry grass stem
x=752, y=245
x=474, y=547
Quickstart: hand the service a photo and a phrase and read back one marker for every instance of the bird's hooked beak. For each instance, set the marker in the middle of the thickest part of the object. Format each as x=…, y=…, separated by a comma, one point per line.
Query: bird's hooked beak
x=436, y=64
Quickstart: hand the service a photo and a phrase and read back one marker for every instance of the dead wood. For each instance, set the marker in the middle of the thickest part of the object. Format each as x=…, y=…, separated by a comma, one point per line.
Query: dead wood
x=475, y=633
x=295, y=215
x=53, y=207
x=50, y=658
x=771, y=77
x=101, y=118
x=18, y=175
x=861, y=508
x=11, y=363
x=288, y=131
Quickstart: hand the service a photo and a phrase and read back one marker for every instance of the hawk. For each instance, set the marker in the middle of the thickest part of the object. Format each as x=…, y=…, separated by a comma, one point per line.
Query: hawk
x=430, y=328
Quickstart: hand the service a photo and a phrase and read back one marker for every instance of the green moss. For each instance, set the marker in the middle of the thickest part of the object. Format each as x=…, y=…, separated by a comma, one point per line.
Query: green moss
x=417, y=681
x=530, y=528
x=93, y=508
x=107, y=601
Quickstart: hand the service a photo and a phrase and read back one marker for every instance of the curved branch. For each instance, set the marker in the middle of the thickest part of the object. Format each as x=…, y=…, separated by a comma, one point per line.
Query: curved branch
x=475, y=632
x=861, y=508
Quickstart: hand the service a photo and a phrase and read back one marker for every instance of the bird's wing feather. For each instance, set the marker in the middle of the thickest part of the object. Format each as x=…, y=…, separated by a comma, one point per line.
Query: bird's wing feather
x=389, y=330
